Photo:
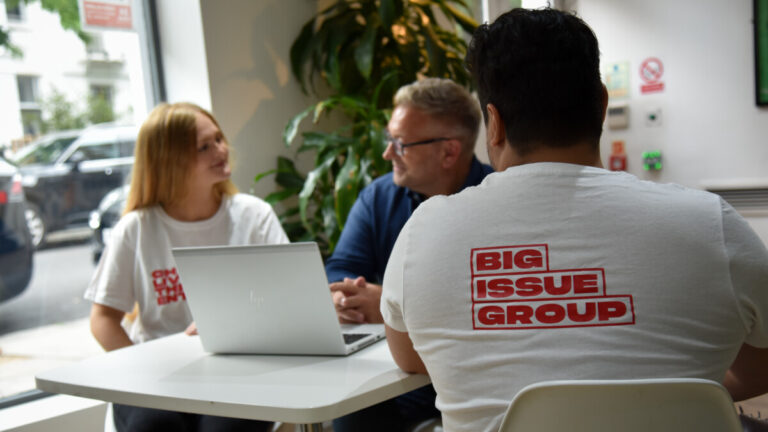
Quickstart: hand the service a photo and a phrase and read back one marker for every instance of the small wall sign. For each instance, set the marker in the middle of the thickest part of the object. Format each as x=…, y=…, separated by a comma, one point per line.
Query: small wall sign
x=651, y=70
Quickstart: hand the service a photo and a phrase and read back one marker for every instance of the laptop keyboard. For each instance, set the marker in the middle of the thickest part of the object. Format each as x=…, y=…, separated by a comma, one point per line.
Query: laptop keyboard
x=350, y=338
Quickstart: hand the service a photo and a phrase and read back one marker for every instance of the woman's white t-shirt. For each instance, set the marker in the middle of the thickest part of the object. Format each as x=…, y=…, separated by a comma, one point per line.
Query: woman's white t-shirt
x=137, y=265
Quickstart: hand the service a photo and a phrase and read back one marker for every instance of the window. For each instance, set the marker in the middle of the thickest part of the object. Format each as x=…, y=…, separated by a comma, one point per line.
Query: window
x=102, y=91
x=14, y=10
x=45, y=152
x=96, y=45
x=28, y=89
x=96, y=152
x=32, y=121
x=126, y=148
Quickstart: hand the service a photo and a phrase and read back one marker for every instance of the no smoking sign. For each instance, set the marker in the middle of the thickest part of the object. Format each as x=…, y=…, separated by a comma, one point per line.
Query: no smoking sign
x=651, y=70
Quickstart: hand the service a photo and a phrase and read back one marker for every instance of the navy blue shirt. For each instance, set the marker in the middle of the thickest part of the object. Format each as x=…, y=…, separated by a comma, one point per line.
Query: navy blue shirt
x=373, y=224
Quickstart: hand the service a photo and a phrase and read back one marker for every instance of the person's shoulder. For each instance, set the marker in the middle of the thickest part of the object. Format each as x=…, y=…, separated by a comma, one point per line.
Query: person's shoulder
x=241, y=203
x=381, y=186
x=245, y=199
x=135, y=223
x=136, y=218
x=383, y=182
x=671, y=190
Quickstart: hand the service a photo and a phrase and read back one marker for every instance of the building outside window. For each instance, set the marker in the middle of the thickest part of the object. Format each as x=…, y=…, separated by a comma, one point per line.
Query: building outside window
x=51, y=96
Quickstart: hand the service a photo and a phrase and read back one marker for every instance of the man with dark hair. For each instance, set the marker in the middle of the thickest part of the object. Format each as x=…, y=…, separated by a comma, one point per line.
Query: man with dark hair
x=431, y=139
x=554, y=268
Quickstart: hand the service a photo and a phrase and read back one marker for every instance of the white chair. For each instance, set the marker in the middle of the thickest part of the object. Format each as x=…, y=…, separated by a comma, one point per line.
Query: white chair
x=648, y=405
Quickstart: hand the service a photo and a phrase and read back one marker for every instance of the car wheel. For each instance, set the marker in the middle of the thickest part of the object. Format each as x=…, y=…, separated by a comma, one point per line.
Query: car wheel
x=36, y=225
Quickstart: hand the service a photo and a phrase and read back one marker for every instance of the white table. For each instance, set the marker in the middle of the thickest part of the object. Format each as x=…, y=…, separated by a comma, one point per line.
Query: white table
x=174, y=373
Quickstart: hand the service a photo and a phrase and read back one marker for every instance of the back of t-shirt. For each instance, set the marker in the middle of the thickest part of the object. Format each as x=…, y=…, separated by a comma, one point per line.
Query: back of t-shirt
x=557, y=271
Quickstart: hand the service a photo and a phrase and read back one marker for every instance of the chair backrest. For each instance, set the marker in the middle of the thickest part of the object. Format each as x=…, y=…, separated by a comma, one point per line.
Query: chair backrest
x=647, y=405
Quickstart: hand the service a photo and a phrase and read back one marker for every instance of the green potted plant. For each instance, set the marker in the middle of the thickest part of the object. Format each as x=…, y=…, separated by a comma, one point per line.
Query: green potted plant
x=362, y=51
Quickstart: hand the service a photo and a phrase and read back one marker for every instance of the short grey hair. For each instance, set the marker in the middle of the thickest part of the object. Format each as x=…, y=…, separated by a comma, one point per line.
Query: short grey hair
x=446, y=101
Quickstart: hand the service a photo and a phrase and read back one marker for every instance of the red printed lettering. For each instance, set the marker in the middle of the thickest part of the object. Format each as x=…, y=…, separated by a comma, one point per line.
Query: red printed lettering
x=508, y=255
x=576, y=316
x=500, y=288
x=585, y=284
x=550, y=284
x=529, y=286
x=609, y=310
x=550, y=313
x=529, y=259
x=510, y=258
x=514, y=288
x=555, y=313
x=491, y=315
x=481, y=291
x=555, y=290
x=167, y=286
x=519, y=314
x=488, y=261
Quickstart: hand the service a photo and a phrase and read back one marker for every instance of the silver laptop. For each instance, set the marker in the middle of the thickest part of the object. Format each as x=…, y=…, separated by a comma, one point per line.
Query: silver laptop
x=271, y=299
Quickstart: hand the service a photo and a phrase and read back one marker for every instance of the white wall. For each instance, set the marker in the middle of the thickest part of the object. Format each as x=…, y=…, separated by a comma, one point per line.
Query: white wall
x=711, y=130
x=253, y=92
x=242, y=74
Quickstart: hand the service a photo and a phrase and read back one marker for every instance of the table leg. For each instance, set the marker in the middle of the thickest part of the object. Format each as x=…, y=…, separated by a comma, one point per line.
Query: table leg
x=311, y=427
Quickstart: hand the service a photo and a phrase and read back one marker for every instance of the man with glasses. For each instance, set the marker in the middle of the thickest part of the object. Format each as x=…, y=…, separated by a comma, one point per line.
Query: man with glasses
x=431, y=138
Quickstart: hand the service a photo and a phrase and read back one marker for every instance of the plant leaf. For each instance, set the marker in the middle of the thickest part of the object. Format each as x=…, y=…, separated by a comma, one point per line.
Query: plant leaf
x=313, y=141
x=300, y=52
x=309, y=188
x=277, y=196
x=467, y=23
x=288, y=176
x=322, y=106
x=388, y=76
x=364, y=51
x=293, y=125
x=261, y=175
x=435, y=53
x=387, y=13
x=346, y=187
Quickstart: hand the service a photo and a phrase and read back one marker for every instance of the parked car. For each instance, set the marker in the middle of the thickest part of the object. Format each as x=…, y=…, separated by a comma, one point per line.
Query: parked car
x=15, y=242
x=105, y=217
x=64, y=183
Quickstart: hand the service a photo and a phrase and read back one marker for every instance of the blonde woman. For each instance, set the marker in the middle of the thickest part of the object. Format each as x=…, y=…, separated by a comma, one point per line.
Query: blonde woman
x=181, y=195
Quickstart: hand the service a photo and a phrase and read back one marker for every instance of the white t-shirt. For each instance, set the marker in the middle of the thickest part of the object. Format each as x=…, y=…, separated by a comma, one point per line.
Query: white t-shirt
x=555, y=271
x=138, y=266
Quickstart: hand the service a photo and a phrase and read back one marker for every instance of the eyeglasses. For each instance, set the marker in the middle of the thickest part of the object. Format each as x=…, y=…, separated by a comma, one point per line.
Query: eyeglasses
x=399, y=146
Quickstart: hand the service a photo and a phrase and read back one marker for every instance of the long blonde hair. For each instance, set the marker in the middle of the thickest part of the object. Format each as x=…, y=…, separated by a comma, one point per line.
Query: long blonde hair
x=165, y=150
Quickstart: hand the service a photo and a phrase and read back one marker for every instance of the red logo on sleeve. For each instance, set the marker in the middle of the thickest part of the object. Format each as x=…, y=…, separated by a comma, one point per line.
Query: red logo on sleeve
x=513, y=288
x=167, y=286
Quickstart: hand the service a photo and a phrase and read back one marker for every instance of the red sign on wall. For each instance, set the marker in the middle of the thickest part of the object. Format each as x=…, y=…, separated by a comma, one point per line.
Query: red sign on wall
x=651, y=71
x=106, y=14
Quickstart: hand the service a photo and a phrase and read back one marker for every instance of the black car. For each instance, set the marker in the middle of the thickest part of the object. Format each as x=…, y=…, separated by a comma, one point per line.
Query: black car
x=64, y=181
x=15, y=242
x=105, y=217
